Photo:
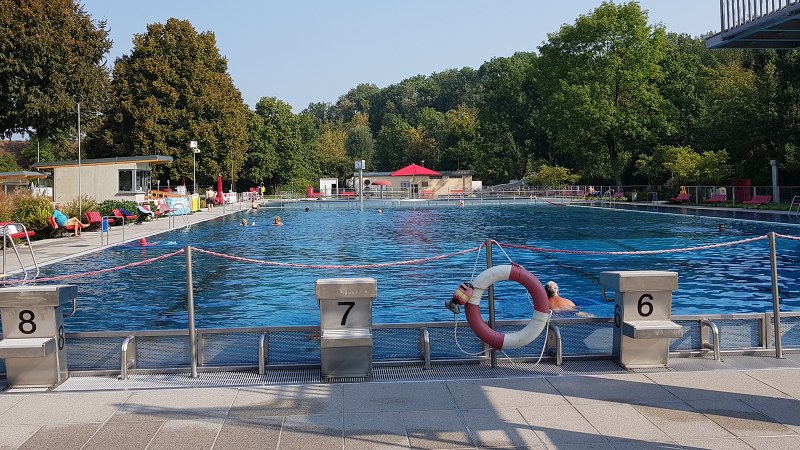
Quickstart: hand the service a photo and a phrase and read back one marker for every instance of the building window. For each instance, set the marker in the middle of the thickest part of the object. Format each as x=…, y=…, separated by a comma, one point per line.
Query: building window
x=131, y=180
x=126, y=180
x=424, y=184
x=405, y=185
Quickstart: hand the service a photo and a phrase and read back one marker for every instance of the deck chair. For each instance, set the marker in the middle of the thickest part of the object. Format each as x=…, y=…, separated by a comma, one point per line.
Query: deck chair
x=757, y=201
x=124, y=215
x=716, y=199
x=11, y=231
x=681, y=198
x=59, y=229
x=95, y=219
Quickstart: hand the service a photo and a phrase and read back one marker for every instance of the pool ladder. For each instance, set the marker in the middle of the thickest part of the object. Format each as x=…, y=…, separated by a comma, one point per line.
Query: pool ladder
x=795, y=205
x=6, y=231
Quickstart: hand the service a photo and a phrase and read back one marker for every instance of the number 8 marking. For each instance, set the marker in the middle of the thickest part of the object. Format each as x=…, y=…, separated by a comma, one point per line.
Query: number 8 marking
x=61, y=337
x=27, y=321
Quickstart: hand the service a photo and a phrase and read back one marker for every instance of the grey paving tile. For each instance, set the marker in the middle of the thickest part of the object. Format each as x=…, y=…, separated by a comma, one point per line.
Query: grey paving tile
x=500, y=428
x=436, y=429
x=690, y=386
x=617, y=388
x=119, y=436
x=714, y=444
x=633, y=444
x=587, y=445
x=312, y=432
x=249, y=432
x=786, y=381
x=62, y=437
x=13, y=436
x=188, y=434
x=782, y=410
x=477, y=394
x=50, y=409
x=681, y=421
x=774, y=443
x=177, y=404
x=739, y=418
x=387, y=397
x=621, y=422
x=7, y=401
x=760, y=362
x=374, y=430
x=287, y=401
x=559, y=425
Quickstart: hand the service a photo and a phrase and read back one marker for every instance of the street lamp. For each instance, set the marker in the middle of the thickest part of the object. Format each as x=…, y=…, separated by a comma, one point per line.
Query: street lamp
x=195, y=151
x=78, y=98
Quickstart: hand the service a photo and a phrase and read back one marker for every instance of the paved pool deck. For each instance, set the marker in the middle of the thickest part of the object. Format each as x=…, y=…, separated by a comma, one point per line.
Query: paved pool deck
x=720, y=409
x=755, y=404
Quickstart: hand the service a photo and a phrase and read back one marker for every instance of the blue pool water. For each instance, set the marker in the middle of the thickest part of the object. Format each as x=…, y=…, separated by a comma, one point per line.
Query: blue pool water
x=239, y=294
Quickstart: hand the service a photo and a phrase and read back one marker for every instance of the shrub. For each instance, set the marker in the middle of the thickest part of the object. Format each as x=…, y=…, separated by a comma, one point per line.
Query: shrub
x=106, y=207
x=6, y=206
x=33, y=212
x=73, y=209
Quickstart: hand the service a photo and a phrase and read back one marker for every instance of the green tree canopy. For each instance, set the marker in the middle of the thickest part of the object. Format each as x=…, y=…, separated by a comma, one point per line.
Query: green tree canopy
x=360, y=145
x=601, y=77
x=174, y=88
x=51, y=55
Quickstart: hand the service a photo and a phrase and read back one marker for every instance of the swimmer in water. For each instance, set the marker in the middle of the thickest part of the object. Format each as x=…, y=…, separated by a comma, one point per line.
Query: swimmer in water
x=277, y=222
x=557, y=302
x=244, y=222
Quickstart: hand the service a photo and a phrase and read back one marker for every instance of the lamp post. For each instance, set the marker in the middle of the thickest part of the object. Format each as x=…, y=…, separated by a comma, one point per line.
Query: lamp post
x=78, y=99
x=195, y=151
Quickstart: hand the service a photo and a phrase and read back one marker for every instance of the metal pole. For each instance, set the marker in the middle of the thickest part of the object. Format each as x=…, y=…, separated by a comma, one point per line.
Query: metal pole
x=492, y=352
x=361, y=185
x=773, y=259
x=80, y=196
x=190, y=307
x=194, y=171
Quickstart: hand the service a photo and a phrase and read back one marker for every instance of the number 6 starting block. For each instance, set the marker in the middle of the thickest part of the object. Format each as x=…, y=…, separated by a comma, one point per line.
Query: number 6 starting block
x=642, y=325
x=345, y=307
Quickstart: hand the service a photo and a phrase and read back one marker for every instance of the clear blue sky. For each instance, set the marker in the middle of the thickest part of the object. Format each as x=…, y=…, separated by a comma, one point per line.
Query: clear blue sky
x=303, y=51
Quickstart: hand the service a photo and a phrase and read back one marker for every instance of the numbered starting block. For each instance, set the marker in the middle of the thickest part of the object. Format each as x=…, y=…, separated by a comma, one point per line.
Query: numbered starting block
x=345, y=308
x=642, y=310
x=33, y=334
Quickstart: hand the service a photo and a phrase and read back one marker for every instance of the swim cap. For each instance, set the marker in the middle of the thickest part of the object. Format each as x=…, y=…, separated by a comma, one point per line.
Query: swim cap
x=143, y=241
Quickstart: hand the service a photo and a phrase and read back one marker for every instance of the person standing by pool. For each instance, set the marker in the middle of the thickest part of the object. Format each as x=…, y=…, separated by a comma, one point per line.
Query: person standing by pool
x=63, y=221
x=210, y=194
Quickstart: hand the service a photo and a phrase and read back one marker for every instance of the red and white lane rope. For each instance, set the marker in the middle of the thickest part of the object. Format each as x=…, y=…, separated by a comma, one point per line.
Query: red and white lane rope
x=95, y=272
x=784, y=236
x=636, y=252
x=334, y=266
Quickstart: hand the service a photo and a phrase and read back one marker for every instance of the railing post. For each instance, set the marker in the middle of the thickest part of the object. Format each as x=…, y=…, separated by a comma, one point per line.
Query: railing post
x=190, y=308
x=492, y=352
x=775, y=297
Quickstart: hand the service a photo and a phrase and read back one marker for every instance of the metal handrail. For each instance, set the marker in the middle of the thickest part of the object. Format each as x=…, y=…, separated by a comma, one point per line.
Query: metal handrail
x=263, y=353
x=127, y=356
x=5, y=238
x=706, y=326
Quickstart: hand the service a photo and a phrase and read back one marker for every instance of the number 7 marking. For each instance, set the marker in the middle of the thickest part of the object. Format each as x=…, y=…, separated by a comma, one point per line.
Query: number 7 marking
x=351, y=304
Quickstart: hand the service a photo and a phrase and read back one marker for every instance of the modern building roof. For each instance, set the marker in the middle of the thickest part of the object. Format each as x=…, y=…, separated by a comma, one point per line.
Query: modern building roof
x=760, y=24
x=6, y=177
x=152, y=159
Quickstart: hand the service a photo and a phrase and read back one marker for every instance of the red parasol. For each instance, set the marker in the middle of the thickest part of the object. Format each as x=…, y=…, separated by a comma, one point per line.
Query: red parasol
x=414, y=170
x=219, y=190
x=381, y=183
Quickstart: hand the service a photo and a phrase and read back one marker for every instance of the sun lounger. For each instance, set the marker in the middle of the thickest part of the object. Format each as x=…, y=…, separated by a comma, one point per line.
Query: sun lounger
x=716, y=199
x=757, y=201
x=681, y=198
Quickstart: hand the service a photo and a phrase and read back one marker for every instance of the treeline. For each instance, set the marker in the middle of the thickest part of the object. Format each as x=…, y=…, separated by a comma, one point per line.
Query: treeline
x=611, y=97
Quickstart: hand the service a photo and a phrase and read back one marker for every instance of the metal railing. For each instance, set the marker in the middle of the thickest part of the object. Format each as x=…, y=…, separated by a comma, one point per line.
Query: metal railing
x=735, y=13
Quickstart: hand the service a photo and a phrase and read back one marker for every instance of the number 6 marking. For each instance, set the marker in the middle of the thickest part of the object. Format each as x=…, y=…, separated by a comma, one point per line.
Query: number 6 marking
x=643, y=304
x=349, y=307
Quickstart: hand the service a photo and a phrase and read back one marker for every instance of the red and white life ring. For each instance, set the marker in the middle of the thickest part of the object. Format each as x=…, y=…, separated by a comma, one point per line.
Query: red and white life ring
x=541, y=307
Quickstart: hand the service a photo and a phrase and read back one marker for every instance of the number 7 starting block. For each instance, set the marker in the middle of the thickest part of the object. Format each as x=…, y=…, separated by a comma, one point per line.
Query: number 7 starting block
x=345, y=307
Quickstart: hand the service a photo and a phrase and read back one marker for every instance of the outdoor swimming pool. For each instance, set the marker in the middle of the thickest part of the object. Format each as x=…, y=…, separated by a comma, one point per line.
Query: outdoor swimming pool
x=240, y=294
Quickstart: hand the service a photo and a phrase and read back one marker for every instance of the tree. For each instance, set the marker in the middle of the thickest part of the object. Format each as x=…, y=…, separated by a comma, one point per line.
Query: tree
x=173, y=88
x=392, y=143
x=601, y=78
x=8, y=162
x=552, y=176
x=52, y=55
x=330, y=152
x=360, y=145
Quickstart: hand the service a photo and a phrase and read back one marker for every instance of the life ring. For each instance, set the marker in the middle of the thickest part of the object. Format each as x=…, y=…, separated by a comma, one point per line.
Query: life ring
x=541, y=307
